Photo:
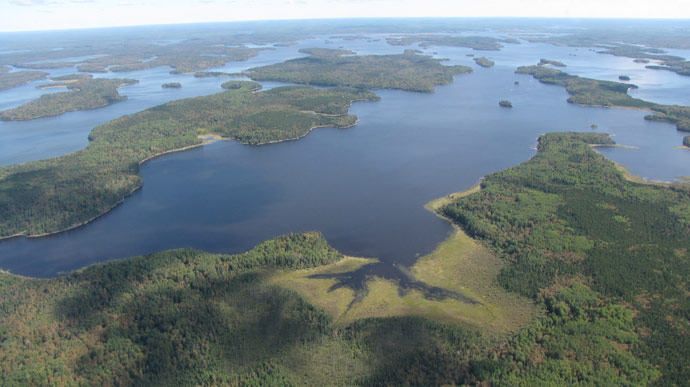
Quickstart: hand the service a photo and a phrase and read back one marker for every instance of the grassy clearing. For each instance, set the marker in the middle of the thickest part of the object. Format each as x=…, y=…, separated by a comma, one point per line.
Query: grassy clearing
x=459, y=264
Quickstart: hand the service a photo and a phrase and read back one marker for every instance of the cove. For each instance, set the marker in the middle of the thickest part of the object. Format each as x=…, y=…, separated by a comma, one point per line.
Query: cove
x=364, y=187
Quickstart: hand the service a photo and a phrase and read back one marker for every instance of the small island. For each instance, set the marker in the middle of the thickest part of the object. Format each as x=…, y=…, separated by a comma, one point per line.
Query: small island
x=505, y=104
x=640, y=60
x=484, y=62
x=208, y=74
x=516, y=83
x=686, y=141
x=544, y=62
x=624, y=78
x=171, y=85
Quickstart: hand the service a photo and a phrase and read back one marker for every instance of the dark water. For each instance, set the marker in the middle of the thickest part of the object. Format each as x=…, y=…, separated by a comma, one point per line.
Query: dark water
x=363, y=187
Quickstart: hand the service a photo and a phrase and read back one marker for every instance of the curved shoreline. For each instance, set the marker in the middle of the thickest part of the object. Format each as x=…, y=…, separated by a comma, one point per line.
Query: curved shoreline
x=124, y=98
x=214, y=138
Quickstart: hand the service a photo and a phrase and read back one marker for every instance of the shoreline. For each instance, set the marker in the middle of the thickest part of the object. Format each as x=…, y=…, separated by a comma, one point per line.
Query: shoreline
x=214, y=138
x=124, y=98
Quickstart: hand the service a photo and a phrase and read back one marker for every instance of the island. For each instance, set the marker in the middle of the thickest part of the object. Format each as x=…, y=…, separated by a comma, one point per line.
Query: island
x=545, y=62
x=640, y=60
x=686, y=141
x=505, y=103
x=9, y=80
x=207, y=74
x=33, y=198
x=325, y=67
x=592, y=92
x=479, y=43
x=484, y=62
x=85, y=92
x=624, y=78
x=171, y=85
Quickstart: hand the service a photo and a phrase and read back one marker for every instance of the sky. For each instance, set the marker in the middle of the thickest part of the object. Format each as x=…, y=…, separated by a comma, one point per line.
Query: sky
x=30, y=15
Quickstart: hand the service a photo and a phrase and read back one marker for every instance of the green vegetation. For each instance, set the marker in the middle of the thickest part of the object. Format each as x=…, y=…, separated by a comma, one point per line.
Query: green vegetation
x=56, y=194
x=483, y=43
x=86, y=93
x=603, y=258
x=185, y=317
x=608, y=258
x=183, y=58
x=484, y=62
x=505, y=103
x=624, y=78
x=592, y=92
x=207, y=74
x=329, y=68
x=544, y=62
x=686, y=141
x=171, y=85
x=9, y=80
x=640, y=60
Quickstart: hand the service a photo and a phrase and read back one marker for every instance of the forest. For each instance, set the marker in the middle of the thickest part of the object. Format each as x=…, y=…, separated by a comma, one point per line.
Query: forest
x=603, y=258
x=480, y=43
x=85, y=93
x=56, y=194
x=9, y=80
x=577, y=235
x=325, y=67
x=484, y=62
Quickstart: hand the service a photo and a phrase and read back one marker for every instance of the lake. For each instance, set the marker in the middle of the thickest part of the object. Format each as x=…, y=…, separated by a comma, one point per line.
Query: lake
x=364, y=187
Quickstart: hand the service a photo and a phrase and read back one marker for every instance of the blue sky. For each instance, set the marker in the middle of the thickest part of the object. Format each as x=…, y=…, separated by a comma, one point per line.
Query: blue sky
x=26, y=15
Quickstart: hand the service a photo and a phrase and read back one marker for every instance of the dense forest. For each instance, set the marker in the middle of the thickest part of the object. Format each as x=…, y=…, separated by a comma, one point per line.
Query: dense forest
x=184, y=57
x=481, y=43
x=325, y=67
x=484, y=62
x=85, y=93
x=593, y=248
x=604, y=258
x=587, y=91
x=55, y=194
x=9, y=80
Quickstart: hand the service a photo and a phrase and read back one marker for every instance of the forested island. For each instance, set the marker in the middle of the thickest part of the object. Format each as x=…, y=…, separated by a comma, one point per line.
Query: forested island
x=592, y=92
x=85, y=92
x=505, y=103
x=171, y=85
x=484, y=62
x=544, y=62
x=408, y=71
x=9, y=80
x=36, y=200
x=480, y=43
x=686, y=141
x=624, y=78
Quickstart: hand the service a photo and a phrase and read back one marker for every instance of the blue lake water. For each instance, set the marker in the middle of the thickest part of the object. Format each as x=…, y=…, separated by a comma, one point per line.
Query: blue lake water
x=363, y=187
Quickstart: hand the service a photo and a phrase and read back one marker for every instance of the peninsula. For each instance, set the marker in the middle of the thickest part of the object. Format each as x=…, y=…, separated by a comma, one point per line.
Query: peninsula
x=85, y=92
x=592, y=92
x=9, y=80
x=35, y=200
